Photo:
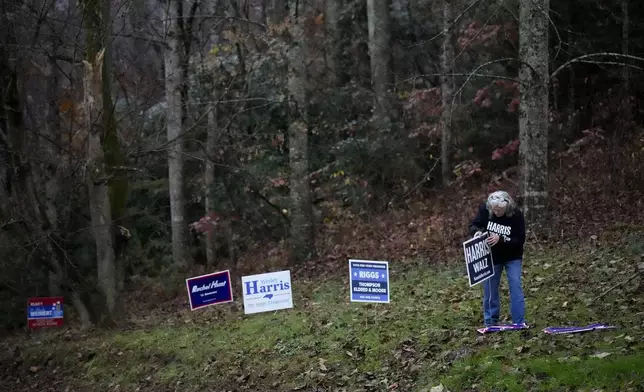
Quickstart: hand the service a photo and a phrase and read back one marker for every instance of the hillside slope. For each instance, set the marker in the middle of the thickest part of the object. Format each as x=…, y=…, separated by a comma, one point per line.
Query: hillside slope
x=424, y=338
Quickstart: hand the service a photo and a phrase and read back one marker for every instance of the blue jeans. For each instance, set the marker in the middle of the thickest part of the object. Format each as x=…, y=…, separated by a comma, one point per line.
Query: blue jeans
x=491, y=306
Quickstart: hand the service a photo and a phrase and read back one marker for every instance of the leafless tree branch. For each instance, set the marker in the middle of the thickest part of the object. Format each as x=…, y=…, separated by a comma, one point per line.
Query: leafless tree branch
x=445, y=31
x=582, y=59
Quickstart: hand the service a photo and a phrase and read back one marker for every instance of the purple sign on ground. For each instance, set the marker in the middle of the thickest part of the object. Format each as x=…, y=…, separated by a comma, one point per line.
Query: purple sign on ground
x=503, y=327
x=564, y=330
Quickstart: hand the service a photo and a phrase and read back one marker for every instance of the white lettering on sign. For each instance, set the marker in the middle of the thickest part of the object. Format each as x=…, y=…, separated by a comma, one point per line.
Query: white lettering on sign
x=369, y=274
x=479, y=265
x=41, y=313
x=369, y=284
x=479, y=250
x=211, y=285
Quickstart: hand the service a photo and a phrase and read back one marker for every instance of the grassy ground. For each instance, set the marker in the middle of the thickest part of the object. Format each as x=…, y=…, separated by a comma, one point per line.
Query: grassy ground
x=424, y=339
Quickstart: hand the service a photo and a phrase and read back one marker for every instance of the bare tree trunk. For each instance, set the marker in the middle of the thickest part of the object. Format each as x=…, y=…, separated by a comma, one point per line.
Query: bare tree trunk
x=83, y=313
x=380, y=53
x=174, y=119
x=210, y=179
x=302, y=237
x=114, y=158
x=106, y=182
x=277, y=11
x=51, y=179
x=98, y=29
x=263, y=5
x=334, y=38
x=533, y=110
x=255, y=11
x=447, y=90
x=615, y=158
x=625, y=49
x=98, y=190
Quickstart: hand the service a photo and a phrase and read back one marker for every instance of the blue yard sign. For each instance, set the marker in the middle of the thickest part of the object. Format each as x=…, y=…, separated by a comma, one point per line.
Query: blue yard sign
x=211, y=289
x=369, y=281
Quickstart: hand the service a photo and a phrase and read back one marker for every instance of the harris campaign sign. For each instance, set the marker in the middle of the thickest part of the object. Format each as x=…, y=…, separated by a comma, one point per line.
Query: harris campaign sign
x=478, y=260
x=267, y=292
x=211, y=289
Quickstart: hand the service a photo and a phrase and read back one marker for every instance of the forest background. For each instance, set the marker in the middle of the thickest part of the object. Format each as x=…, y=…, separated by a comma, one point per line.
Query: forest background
x=143, y=142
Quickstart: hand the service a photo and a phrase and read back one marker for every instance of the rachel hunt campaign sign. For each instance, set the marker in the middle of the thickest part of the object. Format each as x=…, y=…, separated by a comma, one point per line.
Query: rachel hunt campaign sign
x=267, y=292
x=478, y=260
x=211, y=289
x=369, y=281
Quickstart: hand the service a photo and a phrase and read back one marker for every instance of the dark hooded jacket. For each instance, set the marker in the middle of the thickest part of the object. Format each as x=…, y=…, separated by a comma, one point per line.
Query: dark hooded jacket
x=511, y=230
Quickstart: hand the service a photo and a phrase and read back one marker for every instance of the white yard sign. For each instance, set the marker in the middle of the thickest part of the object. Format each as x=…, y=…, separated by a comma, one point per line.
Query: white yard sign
x=267, y=292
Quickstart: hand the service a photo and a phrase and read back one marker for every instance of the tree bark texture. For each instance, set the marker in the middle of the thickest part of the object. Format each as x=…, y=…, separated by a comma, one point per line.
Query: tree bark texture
x=211, y=147
x=97, y=185
x=334, y=41
x=98, y=30
x=50, y=175
x=533, y=110
x=301, y=231
x=447, y=90
x=380, y=53
x=625, y=70
x=278, y=11
x=174, y=123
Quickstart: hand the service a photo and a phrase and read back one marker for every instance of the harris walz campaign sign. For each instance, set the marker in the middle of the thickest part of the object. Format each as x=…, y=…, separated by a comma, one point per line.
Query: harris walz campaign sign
x=211, y=289
x=478, y=260
x=44, y=312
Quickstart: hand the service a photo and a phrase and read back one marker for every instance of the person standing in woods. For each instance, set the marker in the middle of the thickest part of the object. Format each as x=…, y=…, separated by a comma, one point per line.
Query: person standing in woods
x=505, y=225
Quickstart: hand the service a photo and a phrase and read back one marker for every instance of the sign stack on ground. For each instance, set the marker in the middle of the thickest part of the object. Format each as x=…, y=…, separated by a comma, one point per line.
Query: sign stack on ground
x=503, y=327
x=369, y=281
x=565, y=330
x=478, y=260
x=211, y=289
x=44, y=312
x=267, y=292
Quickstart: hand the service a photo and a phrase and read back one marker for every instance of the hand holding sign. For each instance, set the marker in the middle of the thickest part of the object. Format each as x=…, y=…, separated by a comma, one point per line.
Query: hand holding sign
x=493, y=239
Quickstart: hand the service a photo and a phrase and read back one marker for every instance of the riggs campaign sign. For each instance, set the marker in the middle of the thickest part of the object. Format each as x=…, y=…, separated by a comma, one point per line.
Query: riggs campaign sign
x=211, y=289
x=45, y=312
x=267, y=292
x=369, y=281
x=478, y=260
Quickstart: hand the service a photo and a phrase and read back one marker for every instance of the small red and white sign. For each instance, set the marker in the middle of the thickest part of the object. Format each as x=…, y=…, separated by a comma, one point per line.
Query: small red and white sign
x=45, y=312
